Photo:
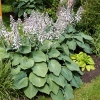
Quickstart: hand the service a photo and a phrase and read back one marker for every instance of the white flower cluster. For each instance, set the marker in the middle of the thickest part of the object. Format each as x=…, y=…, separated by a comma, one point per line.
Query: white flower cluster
x=11, y=37
x=79, y=14
x=40, y=25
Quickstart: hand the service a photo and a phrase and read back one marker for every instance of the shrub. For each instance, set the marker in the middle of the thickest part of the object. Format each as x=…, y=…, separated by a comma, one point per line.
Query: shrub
x=27, y=6
x=40, y=51
x=90, y=19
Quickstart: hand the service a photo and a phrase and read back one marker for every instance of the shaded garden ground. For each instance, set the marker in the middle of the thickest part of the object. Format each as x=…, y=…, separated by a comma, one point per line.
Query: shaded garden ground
x=88, y=76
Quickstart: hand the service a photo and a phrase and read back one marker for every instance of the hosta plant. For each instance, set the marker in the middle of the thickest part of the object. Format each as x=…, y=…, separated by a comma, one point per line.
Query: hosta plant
x=84, y=61
x=40, y=50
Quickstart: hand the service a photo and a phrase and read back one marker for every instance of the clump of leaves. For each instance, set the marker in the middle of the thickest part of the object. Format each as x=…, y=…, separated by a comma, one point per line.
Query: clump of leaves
x=84, y=61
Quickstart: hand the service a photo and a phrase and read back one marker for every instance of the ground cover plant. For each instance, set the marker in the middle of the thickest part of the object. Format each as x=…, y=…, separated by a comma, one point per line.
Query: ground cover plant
x=39, y=51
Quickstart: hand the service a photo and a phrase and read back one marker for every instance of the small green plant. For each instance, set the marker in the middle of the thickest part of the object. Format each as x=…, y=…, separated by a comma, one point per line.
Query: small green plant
x=84, y=61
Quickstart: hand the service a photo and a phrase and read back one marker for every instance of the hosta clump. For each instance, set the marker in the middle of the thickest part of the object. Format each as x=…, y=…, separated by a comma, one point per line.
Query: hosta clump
x=48, y=67
x=40, y=55
x=84, y=61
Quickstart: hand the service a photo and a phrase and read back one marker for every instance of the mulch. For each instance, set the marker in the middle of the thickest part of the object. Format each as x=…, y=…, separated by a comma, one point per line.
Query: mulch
x=90, y=75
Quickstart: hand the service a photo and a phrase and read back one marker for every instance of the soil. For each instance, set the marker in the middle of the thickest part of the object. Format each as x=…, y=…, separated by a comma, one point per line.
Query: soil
x=90, y=75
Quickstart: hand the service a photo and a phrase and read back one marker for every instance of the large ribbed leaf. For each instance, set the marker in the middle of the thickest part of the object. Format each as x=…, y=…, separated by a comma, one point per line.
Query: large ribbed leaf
x=66, y=73
x=16, y=70
x=40, y=69
x=30, y=91
x=3, y=53
x=38, y=56
x=73, y=67
x=20, y=80
x=44, y=89
x=16, y=59
x=68, y=92
x=77, y=78
x=59, y=96
x=36, y=80
x=74, y=83
x=65, y=49
x=53, y=86
x=26, y=63
x=55, y=67
x=24, y=49
x=65, y=58
x=60, y=80
x=71, y=44
x=86, y=36
x=54, y=53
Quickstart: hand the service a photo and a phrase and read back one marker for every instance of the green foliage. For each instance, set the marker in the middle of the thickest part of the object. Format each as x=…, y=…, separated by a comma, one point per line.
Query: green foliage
x=27, y=6
x=53, y=9
x=6, y=8
x=90, y=19
x=6, y=82
x=47, y=67
x=84, y=61
x=96, y=41
x=8, y=1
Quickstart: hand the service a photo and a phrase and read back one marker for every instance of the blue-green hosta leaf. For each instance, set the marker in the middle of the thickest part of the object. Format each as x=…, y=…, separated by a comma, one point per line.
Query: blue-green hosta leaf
x=73, y=67
x=80, y=44
x=40, y=69
x=65, y=49
x=59, y=96
x=87, y=37
x=36, y=80
x=16, y=59
x=15, y=71
x=55, y=67
x=71, y=29
x=38, y=56
x=77, y=78
x=65, y=58
x=71, y=44
x=61, y=39
x=74, y=83
x=60, y=80
x=3, y=53
x=66, y=73
x=46, y=45
x=54, y=53
x=24, y=49
x=30, y=91
x=56, y=44
x=53, y=86
x=79, y=38
x=87, y=48
x=26, y=63
x=44, y=89
x=68, y=92
x=20, y=80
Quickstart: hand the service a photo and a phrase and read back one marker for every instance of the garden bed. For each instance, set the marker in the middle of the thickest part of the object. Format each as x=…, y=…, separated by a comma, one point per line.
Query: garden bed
x=88, y=76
